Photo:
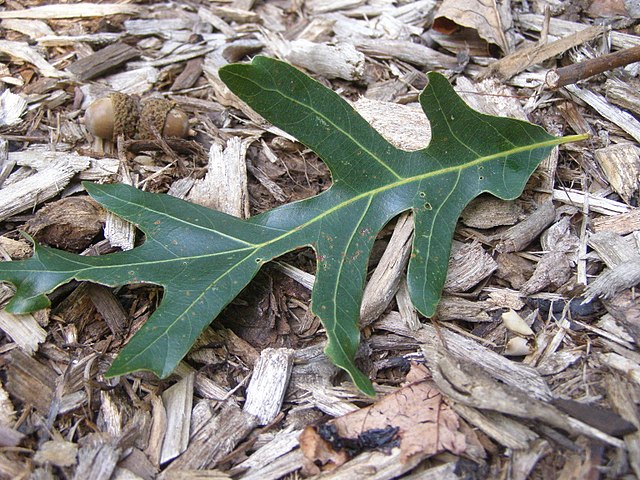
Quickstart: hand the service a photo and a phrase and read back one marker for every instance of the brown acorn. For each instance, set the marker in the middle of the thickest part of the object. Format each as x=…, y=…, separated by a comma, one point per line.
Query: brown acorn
x=117, y=114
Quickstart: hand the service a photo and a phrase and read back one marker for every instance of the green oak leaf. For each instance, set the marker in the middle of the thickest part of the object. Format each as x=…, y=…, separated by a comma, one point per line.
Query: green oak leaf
x=204, y=258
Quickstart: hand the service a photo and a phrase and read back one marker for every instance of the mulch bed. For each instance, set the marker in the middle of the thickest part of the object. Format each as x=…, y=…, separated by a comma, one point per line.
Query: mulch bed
x=529, y=369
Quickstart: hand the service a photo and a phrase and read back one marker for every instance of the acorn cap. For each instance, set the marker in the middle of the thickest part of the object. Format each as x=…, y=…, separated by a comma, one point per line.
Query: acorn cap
x=126, y=109
x=159, y=116
x=111, y=116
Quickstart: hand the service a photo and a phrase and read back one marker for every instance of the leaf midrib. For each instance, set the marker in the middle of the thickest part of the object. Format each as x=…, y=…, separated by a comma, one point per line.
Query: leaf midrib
x=256, y=247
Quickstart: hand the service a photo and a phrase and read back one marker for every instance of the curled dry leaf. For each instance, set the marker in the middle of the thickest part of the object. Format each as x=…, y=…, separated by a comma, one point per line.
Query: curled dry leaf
x=415, y=414
x=490, y=19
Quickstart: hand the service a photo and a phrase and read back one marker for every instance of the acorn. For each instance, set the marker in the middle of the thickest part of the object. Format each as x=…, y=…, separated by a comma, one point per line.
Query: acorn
x=120, y=114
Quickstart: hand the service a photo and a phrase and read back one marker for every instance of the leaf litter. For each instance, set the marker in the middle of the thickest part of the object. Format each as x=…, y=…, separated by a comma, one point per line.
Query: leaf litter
x=581, y=352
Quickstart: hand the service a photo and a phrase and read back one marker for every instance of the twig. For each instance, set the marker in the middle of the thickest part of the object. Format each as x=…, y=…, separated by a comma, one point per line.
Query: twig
x=559, y=77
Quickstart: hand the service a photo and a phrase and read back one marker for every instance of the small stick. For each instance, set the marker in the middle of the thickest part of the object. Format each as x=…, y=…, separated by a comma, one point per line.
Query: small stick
x=559, y=77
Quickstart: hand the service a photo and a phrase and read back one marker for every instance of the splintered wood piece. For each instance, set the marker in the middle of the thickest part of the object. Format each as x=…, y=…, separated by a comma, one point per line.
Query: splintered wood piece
x=26, y=53
x=519, y=236
x=157, y=431
x=205, y=387
x=621, y=224
x=239, y=15
x=331, y=61
x=7, y=410
x=41, y=186
x=519, y=60
x=553, y=269
x=189, y=75
x=612, y=281
x=137, y=464
x=561, y=28
x=224, y=187
x=12, y=107
x=408, y=312
x=34, y=29
x=38, y=159
x=622, y=119
x=57, y=452
x=407, y=51
x=624, y=95
x=620, y=164
x=621, y=396
x=502, y=429
x=103, y=38
x=513, y=374
x=381, y=466
x=23, y=329
x=283, y=442
x=30, y=381
x=215, y=440
x=456, y=308
x=613, y=249
x=97, y=457
x=118, y=231
x=109, y=307
x=102, y=61
x=10, y=437
x=268, y=384
x=487, y=211
x=384, y=282
x=177, y=400
x=469, y=264
x=470, y=384
x=218, y=23
x=79, y=10
x=524, y=461
x=278, y=468
x=577, y=198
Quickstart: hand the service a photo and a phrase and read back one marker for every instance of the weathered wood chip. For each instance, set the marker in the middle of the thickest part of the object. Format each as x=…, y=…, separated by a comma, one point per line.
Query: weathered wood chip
x=23, y=329
x=102, y=61
x=268, y=384
x=178, y=400
x=97, y=457
x=469, y=264
x=621, y=166
x=57, y=452
x=41, y=186
x=214, y=440
x=77, y=10
x=519, y=236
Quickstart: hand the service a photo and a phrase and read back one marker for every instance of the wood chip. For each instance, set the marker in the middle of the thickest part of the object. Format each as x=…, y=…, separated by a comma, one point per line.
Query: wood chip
x=214, y=440
x=269, y=381
x=102, y=61
x=77, y=10
x=97, y=457
x=622, y=119
x=519, y=236
x=224, y=187
x=41, y=186
x=26, y=53
x=469, y=264
x=23, y=329
x=177, y=400
x=519, y=60
x=384, y=283
x=621, y=166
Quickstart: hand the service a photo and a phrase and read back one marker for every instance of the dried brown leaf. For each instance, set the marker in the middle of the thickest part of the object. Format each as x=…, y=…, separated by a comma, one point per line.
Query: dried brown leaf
x=415, y=414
